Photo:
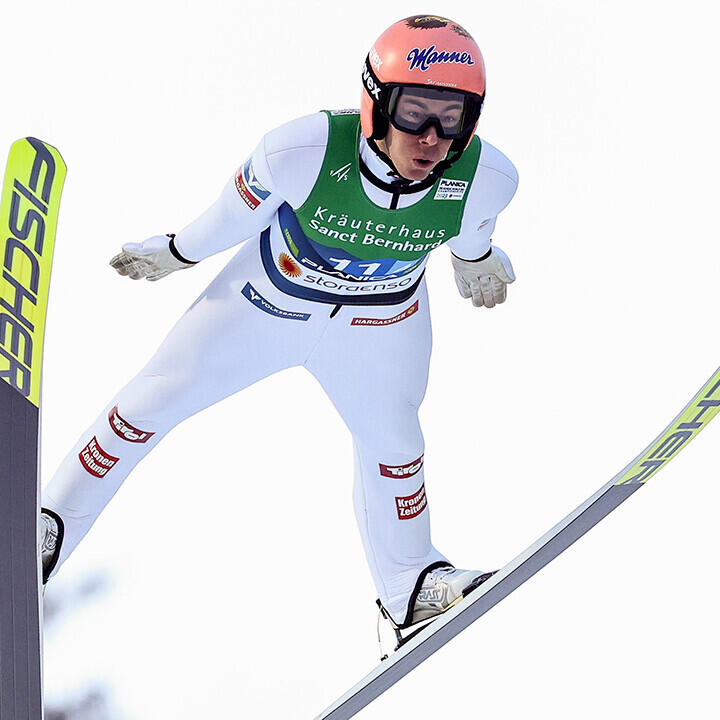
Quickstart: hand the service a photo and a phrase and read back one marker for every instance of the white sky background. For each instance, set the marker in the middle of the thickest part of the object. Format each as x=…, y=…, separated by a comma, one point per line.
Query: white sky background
x=239, y=587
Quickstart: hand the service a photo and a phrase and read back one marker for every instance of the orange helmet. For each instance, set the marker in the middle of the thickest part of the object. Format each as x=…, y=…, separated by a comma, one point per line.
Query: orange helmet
x=421, y=60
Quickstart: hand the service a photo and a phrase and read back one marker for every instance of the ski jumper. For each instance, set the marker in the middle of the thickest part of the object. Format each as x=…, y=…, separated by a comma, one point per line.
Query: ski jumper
x=330, y=277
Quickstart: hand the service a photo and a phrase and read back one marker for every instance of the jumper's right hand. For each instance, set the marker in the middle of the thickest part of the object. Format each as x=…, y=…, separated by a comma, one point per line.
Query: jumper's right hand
x=153, y=259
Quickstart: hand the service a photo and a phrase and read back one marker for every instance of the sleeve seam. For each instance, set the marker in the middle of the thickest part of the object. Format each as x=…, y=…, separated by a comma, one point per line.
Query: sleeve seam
x=500, y=172
x=295, y=147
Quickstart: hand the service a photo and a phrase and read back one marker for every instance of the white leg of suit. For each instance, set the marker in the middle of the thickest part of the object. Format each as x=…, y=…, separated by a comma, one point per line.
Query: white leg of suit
x=222, y=344
x=375, y=376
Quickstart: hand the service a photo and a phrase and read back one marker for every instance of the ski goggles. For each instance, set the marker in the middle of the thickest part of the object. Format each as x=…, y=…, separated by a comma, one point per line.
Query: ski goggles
x=414, y=109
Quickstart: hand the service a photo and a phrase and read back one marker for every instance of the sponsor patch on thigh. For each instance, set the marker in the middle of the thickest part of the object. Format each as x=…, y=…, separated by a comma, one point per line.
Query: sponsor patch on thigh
x=125, y=430
x=95, y=460
x=387, y=321
x=266, y=306
x=402, y=471
x=411, y=506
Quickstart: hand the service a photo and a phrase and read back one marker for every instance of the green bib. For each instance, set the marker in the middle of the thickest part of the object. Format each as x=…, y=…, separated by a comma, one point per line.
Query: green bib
x=339, y=214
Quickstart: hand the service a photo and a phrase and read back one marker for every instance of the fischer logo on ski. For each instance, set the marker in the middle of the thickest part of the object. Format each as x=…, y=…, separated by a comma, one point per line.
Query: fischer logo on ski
x=689, y=423
x=29, y=215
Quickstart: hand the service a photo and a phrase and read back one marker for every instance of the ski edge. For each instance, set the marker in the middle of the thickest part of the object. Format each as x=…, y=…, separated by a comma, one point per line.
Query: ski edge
x=696, y=415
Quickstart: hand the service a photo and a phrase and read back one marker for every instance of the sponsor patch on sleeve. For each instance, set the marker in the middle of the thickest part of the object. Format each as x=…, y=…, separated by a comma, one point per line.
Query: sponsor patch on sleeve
x=95, y=460
x=411, y=506
x=250, y=188
x=125, y=430
x=451, y=189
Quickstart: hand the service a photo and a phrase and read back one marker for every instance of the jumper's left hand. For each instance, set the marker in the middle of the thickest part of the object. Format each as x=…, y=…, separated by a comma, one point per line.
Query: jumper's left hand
x=486, y=280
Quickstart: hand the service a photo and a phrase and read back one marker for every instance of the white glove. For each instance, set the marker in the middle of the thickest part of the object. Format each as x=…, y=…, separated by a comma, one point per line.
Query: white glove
x=485, y=280
x=152, y=259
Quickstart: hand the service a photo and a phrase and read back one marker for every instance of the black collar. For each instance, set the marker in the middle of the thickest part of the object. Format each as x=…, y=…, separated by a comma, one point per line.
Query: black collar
x=400, y=185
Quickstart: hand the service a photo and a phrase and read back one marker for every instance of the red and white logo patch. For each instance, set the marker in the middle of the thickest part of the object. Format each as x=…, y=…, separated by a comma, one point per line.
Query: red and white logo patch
x=245, y=193
x=411, y=506
x=250, y=188
x=402, y=471
x=95, y=460
x=125, y=430
x=387, y=321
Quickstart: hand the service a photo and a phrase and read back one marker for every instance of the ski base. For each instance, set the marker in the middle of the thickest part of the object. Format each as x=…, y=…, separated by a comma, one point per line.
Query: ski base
x=694, y=417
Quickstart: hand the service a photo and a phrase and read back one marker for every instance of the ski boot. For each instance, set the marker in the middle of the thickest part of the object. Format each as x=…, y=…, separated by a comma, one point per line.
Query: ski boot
x=437, y=590
x=49, y=541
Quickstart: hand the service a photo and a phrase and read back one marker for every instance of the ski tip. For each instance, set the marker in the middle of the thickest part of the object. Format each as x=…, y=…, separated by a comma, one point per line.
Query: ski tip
x=35, y=143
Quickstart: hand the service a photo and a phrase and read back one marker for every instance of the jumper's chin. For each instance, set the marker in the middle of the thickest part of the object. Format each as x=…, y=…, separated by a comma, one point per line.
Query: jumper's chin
x=416, y=169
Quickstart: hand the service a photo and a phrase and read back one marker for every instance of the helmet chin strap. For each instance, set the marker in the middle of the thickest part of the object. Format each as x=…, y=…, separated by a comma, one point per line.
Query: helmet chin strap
x=383, y=156
x=436, y=172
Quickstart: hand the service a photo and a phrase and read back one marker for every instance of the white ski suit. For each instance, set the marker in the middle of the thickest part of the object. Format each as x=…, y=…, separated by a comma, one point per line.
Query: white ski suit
x=255, y=319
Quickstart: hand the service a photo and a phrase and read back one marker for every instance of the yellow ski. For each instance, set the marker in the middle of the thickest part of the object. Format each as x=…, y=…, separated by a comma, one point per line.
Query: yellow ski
x=28, y=219
x=419, y=645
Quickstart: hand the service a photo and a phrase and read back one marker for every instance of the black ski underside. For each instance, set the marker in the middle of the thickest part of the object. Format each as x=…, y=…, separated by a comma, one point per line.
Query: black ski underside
x=20, y=659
